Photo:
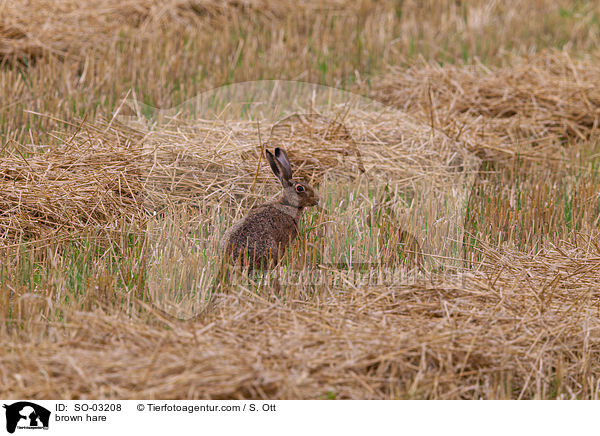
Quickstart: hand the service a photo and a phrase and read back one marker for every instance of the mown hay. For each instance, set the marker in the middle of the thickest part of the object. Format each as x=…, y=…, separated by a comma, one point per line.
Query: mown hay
x=527, y=327
x=516, y=326
x=31, y=28
x=109, y=172
x=298, y=131
x=536, y=100
x=92, y=181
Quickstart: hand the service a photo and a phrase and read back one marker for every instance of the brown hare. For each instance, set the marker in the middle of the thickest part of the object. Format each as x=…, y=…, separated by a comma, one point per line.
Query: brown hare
x=259, y=240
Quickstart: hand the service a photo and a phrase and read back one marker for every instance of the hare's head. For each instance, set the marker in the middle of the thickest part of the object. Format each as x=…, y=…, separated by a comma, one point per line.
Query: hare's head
x=295, y=193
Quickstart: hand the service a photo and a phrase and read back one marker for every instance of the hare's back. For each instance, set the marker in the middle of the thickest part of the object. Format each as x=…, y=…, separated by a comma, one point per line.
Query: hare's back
x=265, y=231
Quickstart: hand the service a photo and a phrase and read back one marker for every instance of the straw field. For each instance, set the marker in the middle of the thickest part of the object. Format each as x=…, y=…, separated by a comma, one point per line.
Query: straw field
x=453, y=145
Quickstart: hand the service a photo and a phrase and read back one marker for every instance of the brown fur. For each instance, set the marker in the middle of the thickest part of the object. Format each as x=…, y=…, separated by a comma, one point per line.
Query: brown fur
x=259, y=240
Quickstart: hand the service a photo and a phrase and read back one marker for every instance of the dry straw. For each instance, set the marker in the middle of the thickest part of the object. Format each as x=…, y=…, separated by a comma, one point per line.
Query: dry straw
x=517, y=325
x=536, y=101
x=32, y=28
x=109, y=173
x=91, y=181
x=526, y=328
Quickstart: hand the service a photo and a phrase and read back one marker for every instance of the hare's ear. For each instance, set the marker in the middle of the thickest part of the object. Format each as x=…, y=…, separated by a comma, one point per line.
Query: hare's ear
x=284, y=163
x=276, y=168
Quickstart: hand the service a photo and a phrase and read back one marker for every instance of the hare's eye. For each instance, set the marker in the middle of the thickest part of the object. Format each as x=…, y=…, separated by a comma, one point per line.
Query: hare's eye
x=300, y=188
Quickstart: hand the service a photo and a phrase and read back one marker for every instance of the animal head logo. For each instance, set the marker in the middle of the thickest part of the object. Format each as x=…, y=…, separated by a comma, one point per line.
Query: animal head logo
x=26, y=415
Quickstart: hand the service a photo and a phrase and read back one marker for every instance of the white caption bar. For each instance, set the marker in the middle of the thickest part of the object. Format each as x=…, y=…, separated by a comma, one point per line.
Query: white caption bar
x=27, y=417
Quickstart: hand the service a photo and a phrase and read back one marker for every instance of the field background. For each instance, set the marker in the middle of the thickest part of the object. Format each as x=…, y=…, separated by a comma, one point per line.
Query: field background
x=84, y=260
